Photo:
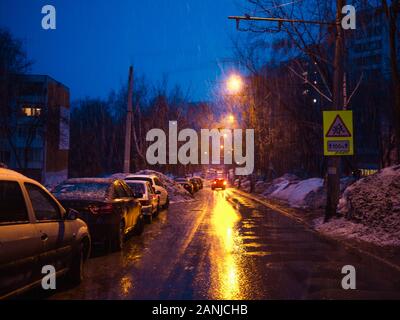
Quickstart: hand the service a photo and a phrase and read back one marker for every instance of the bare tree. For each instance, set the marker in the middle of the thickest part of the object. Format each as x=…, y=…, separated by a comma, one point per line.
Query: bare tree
x=13, y=61
x=392, y=14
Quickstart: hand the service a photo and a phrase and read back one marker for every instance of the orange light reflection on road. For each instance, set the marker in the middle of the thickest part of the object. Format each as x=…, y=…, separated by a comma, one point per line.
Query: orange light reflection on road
x=126, y=285
x=225, y=271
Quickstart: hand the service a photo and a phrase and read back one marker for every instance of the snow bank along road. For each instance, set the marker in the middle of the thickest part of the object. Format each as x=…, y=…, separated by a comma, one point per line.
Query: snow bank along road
x=225, y=246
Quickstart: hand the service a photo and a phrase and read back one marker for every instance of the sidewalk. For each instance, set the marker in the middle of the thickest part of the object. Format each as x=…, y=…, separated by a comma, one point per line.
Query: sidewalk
x=388, y=255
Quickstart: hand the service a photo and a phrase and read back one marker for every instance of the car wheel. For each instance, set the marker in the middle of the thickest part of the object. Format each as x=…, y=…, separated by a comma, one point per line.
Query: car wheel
x=148, y=219
x=76, y=271
x=158, y=208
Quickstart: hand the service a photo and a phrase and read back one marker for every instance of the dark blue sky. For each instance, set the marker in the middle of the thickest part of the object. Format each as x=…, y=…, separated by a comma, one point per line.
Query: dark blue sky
x=96, y=41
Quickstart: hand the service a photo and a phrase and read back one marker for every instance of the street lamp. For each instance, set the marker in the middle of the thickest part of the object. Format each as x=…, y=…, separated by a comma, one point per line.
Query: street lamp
x=234, y=84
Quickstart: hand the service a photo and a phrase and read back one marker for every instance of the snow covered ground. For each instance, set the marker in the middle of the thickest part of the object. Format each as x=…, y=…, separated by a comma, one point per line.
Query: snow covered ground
x=370, y=209
x=175, y=191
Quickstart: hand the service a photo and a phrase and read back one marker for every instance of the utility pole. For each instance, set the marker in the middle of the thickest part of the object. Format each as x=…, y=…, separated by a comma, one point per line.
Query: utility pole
x=128, y=129
x=334, y=163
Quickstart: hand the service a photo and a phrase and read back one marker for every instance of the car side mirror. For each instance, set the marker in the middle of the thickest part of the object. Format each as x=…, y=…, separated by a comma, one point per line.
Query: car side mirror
x=72, y=214
x=138, y=195
x=158, y=192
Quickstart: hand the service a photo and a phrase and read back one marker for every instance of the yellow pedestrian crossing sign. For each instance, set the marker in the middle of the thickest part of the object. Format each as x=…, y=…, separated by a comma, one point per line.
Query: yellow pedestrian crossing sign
x=338, y=133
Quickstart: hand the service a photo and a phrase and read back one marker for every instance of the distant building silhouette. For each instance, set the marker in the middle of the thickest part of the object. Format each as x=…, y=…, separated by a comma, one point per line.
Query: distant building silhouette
x=36, y=140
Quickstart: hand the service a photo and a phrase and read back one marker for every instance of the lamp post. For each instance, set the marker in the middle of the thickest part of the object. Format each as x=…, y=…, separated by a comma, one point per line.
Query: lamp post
x=234, y=87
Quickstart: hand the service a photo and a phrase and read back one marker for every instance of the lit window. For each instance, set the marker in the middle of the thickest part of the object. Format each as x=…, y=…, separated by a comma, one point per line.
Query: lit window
x=31, y=111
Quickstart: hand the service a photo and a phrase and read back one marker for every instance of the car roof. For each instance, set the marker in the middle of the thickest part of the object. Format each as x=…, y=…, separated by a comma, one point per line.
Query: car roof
x=143, y=176
x=7, y=174
x=91, y=180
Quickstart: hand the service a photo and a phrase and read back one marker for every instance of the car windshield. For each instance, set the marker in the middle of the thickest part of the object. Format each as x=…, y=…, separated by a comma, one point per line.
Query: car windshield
x=84, y=190
x=137, y=187
x=181, y=180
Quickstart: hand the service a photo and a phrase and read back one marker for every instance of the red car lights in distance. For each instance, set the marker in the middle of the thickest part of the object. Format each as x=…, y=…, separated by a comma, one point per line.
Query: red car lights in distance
x=218, y=184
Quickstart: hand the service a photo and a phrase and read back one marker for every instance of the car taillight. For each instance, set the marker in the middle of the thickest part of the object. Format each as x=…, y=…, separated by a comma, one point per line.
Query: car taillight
x=102, y=209
x=214, y=182
x=224, y=183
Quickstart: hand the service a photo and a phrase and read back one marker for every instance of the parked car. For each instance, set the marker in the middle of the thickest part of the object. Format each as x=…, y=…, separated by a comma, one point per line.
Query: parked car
x=199, y=182
x=184, y=182
x=218, y=183
x=156, y=184
x=195, y=184
x=147, y=197
x=35, y=231
x=107, y=205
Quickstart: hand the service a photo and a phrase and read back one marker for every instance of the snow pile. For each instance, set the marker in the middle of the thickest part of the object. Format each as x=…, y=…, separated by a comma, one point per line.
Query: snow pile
x=343, y=228
x=260, y=186
x=375, y=202
x=245, y=185
x=176, y=192
x=307, y=194
x=300, y=194
x=280, y=183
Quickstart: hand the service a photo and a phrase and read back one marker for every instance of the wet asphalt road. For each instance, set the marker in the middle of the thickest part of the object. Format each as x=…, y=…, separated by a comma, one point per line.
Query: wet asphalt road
x=225, y=246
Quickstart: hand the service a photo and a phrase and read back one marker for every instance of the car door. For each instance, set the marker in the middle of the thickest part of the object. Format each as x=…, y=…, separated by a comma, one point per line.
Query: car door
x=160, y=187
x=132, y=206
x=20, y=243
x=55, y=233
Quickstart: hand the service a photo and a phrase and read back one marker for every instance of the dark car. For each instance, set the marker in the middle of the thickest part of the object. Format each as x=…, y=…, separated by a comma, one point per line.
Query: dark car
x=218, y=183
x=184, y=182
x=195, y=183
x=199, y=182
x=107, y=206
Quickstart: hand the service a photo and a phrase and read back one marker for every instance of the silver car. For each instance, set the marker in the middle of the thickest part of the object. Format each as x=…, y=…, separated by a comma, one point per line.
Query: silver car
x=36, y=231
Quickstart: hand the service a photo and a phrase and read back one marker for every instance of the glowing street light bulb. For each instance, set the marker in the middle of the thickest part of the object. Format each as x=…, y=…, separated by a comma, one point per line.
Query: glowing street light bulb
x=231, y=118
x=234, y=84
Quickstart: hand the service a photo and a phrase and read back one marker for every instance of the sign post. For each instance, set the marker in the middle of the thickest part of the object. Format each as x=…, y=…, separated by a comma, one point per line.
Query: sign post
x=338, y=141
